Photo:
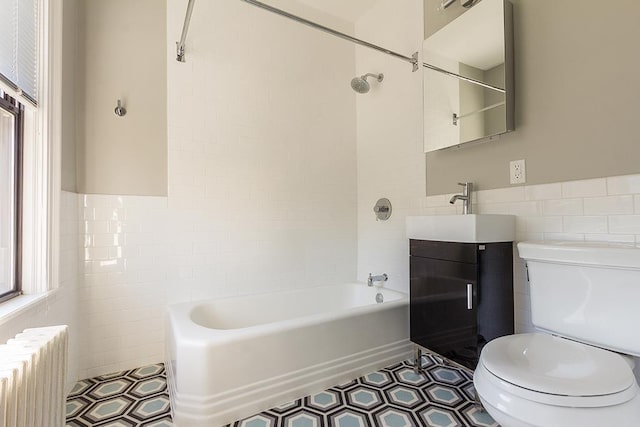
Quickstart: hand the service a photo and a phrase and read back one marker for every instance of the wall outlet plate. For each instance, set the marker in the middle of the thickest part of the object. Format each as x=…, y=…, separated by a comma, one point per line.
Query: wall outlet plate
x=517, y=172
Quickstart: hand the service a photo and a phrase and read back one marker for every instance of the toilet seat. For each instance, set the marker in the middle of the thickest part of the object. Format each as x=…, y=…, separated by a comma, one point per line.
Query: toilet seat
x=557, y=371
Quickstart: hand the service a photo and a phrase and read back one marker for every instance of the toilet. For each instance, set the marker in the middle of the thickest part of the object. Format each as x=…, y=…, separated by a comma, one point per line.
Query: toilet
x=577, y=371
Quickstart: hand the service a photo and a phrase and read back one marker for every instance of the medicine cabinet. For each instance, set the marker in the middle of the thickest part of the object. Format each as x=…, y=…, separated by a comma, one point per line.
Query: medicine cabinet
x=468, y=77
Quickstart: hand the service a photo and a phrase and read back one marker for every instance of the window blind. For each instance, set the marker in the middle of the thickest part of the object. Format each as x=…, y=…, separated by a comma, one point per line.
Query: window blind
x=19, y=45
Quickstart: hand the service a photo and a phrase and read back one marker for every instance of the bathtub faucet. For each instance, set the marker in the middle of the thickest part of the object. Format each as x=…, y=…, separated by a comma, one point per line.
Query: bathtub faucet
x=380, y=278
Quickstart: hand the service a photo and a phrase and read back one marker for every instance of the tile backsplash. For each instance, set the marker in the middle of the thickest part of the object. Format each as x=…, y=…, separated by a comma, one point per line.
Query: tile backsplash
x=603, y=209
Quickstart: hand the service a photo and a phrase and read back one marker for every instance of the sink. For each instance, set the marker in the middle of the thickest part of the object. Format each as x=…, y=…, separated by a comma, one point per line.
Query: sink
x=472, y=228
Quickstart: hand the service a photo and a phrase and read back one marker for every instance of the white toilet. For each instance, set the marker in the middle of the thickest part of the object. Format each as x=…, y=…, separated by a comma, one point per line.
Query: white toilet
x=588, y=297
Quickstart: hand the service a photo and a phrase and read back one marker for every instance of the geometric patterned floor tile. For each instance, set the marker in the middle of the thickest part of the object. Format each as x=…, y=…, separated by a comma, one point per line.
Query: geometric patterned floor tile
x=137, y=397
x=438, y=396
x=394, y=417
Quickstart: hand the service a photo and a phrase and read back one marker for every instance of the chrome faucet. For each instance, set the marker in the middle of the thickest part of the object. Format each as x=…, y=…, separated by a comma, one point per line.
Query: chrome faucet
x=380, y=278
x=465, y=197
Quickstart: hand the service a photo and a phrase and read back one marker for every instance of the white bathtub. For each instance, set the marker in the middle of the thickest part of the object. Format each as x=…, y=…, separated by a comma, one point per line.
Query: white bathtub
x=233, y=357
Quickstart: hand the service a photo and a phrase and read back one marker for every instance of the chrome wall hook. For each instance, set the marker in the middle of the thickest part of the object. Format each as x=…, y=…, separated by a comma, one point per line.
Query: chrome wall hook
x=120, y=111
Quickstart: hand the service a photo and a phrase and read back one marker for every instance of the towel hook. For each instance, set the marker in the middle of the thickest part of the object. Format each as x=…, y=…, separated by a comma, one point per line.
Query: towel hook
x=120, y=110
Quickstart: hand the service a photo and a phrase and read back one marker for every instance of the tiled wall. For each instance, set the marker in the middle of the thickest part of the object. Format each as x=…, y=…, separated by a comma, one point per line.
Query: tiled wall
x=390, y=154
x=125, y=281
x=138, y=258
x=262, y=154
x=605, y=209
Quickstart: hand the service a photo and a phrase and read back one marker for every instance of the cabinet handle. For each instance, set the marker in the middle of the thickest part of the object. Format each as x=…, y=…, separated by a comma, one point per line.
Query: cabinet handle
x=469, y=296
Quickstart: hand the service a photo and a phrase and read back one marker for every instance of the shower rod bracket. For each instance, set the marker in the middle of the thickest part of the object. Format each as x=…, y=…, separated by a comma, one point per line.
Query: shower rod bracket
x=179, y=52
x=414, y=61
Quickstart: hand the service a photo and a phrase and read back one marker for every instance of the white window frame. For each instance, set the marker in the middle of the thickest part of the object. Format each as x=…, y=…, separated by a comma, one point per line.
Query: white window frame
x=42, y=163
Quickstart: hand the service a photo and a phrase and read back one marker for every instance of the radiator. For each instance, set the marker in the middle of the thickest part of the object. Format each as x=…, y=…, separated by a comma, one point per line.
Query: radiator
x=33, y=369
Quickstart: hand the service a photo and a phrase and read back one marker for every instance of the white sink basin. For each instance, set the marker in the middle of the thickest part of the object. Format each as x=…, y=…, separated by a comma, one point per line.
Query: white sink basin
x=472, y=228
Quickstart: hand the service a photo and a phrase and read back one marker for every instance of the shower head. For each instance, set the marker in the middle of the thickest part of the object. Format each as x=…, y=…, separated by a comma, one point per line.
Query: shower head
x=361, y=85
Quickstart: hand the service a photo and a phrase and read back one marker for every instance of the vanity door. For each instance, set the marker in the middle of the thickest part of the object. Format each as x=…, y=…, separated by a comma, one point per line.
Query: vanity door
x=443, y=300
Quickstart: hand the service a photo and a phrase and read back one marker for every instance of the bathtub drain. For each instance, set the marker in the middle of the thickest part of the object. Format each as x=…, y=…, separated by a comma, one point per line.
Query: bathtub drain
x=379, y=298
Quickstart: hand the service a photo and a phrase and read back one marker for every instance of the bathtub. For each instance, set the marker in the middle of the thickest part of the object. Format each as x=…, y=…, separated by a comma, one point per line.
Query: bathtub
x=233, y=357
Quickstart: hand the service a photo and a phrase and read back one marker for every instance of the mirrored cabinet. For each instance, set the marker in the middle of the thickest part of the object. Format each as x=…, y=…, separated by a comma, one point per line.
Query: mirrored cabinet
x=468, y=77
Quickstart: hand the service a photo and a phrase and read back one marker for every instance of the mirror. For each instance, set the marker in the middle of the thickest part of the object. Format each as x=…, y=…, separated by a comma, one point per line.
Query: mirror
x=468, y=77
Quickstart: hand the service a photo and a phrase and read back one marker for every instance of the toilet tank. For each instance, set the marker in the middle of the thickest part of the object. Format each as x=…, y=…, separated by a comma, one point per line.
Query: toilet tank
x=588, y=292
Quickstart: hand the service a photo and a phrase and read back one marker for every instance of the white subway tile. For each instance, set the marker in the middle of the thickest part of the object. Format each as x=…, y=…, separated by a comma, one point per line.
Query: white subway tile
x=575, y=237
x=107, y=266
x=543, y=192
x=107, y=239
x=436, y=201
x=616, y=238
x=87, y=266
x=611, y=205
x=108, y=213
x=138, y=239
x=540, y=224
x=96, y=226
x=637, y=204
x=96, y=254
x=584, y=188
x=563, y=207
x=446, y=210
x=626, y=184
x=522, y=236
x=88, y=213
x=501, y=195
x=624, y=224
x=585, y=224
x=511, y=208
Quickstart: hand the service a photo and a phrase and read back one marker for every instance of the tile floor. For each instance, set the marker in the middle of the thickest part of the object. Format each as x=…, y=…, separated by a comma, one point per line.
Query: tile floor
x=138, y=397
x=392, y=397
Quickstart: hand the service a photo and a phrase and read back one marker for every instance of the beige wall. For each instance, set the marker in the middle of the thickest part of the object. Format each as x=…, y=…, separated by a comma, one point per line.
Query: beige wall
x=69, y=79
x=122, y=54
x=577, y=103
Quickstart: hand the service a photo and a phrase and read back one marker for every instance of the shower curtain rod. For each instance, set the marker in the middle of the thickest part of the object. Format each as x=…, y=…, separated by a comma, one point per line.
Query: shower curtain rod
x=466, y=79
x=412, y=60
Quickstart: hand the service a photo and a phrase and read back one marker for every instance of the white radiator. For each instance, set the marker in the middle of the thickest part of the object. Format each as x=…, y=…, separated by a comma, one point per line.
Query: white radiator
x=33, y=369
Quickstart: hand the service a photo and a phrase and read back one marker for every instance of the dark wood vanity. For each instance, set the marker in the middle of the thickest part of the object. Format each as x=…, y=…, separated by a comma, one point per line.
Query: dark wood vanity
x=461, y=296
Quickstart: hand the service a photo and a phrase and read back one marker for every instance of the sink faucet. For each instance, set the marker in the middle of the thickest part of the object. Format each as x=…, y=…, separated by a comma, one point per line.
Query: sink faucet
x=465, y=197
x=380, y=278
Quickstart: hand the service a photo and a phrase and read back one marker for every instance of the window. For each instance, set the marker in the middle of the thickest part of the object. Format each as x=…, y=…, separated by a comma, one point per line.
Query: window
x=30, y=123
x=11, y=132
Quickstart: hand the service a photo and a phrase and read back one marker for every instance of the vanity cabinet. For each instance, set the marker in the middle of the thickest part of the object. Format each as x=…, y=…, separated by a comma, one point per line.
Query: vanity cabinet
x=461, y=296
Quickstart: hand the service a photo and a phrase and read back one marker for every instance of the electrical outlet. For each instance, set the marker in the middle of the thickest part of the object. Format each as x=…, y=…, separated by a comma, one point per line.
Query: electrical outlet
x=517, y=172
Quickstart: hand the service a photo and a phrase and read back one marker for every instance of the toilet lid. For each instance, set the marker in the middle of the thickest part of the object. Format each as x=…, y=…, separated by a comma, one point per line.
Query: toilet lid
x=553, y=365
